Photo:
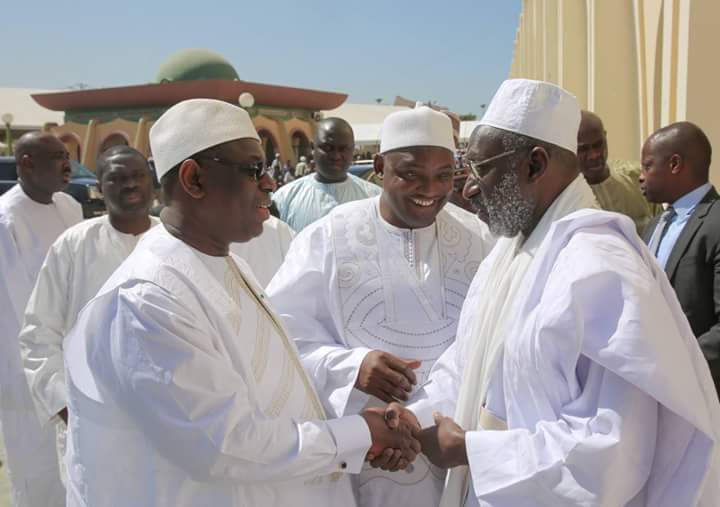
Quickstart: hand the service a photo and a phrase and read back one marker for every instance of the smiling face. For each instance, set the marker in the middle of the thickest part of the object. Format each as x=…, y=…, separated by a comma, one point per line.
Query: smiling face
x=236, y=201
x=416, y=184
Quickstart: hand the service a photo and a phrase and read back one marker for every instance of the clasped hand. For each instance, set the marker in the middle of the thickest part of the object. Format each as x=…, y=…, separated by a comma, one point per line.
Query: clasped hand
x=393, y=431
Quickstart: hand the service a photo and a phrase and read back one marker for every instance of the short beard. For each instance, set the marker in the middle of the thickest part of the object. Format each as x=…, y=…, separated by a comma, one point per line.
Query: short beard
x=505, y=210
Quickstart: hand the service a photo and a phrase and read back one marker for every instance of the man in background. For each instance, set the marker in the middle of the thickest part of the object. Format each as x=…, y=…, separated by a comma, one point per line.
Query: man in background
x=686, y=237
x=305, y=200
x=615, y=183
x=32, y=215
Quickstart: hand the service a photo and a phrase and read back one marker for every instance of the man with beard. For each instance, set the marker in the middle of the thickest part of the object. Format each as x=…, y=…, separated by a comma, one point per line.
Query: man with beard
x=305, y=200
x=32, y=215
x=575, y=378
x=76, y=266
x=371, y=292
x=614, y=183
x=183, y=387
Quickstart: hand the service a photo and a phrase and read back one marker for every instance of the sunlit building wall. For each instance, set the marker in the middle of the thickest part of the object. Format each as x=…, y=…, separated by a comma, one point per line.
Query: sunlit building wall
x=639, y=64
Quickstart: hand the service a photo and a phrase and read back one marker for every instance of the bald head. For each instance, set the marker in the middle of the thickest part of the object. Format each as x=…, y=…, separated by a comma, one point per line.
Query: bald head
x=689, y=142
x=592, y=151
x=36, y=142
x=43, y=165
x=675, y=160
x=334, y=145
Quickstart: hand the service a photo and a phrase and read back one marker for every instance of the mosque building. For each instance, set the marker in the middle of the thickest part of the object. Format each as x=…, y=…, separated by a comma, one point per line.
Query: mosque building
x=96, y=119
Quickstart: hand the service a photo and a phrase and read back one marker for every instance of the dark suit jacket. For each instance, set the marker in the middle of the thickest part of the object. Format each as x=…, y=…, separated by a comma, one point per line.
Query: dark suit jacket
x=694, y=272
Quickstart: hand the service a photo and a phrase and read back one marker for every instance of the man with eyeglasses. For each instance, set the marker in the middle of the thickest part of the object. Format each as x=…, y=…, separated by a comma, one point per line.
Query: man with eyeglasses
x=615, y=182
x=184, y=388
x=305, y=200
x=372, y=291
x=575, y=378
x=32, y=215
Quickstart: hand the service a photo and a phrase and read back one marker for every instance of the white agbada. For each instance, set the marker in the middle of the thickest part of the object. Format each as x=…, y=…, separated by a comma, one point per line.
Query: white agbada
x=305, y=200
x=76, y=266
x=184, y=390
x=353, y=283
x=27, y=229
x=266, y=253
x=604, y=392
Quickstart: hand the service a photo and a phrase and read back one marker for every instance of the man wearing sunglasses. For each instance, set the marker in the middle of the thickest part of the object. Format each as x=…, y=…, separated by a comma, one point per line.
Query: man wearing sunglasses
x=575, y=378
x=371, y=292
x=184, y=388
x=305, y=200
x=32, y=215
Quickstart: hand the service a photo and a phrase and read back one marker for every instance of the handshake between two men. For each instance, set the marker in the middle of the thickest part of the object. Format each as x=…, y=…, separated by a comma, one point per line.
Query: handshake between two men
x=397, y=437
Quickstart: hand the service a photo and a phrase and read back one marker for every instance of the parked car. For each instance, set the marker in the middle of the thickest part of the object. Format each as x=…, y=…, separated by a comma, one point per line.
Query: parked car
x=361, y=168
x=83, y=185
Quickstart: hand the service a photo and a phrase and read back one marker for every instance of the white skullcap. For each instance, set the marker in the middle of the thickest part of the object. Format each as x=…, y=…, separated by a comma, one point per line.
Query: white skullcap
x=421, y=126
x=194, y=125
x=535, y=109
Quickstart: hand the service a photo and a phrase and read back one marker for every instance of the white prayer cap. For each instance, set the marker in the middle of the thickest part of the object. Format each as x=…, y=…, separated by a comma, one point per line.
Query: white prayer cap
x=194, y=125
x=536, y=109
x=421, y=126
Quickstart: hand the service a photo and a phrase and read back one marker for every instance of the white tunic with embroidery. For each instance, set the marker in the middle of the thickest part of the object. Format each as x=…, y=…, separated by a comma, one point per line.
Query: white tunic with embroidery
x=353, y=283
x=184, y=390
x=27, y=229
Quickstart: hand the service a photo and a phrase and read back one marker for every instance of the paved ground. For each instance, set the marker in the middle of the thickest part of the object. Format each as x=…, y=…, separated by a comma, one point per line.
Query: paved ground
x=4, y=485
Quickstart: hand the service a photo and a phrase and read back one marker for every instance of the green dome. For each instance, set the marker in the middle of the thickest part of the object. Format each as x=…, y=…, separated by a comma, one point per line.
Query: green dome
x=195, y=64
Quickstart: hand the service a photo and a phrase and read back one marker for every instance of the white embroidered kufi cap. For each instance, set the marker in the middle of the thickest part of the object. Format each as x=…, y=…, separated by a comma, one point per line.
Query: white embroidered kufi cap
x=536, y=109
x=194, y=125
x=421, y=126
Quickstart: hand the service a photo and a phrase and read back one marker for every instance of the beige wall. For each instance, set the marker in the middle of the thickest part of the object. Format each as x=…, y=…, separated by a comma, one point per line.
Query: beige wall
x=640, y=64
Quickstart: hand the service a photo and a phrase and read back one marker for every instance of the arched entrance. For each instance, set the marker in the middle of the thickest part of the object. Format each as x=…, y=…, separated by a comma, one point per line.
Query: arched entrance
x=300, y=145
x=72, y=145
x=115, y=139
x=269, y=145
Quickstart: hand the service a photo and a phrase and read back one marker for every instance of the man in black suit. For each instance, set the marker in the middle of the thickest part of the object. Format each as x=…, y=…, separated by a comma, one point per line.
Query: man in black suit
x=686, y=237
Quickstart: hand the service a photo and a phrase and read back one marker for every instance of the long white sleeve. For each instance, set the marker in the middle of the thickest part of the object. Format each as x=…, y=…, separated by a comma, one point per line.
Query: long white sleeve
x=195, y=408
x=598, y=451
x=313, y=320
x=43, y=331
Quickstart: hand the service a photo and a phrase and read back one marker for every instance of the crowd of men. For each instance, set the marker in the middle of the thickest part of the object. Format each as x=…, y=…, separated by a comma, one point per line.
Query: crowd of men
x=532, y=324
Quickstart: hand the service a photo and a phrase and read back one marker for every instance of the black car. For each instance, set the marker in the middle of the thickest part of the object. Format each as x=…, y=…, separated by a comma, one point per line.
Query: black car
x=83, y=185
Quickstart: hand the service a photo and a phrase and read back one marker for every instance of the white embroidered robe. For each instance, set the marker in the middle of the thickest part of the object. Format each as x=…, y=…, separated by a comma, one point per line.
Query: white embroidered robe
x=352, y=283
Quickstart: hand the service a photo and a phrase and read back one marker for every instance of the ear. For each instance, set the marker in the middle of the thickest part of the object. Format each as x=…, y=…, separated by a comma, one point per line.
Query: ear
x=193, y=179
x=379, y=165
x=676, y=163
x=537, y=164
x=26, y=161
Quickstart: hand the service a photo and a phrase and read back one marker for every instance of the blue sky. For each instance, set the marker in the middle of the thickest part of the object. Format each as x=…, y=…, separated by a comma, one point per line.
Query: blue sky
x=453, y=52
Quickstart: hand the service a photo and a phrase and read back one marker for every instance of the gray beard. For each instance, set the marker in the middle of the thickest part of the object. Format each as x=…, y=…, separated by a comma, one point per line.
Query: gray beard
x=505, y=210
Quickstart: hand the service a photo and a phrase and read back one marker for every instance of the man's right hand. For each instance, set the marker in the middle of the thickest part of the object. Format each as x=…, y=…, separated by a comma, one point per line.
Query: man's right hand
x=386, y=377
x=391, y=449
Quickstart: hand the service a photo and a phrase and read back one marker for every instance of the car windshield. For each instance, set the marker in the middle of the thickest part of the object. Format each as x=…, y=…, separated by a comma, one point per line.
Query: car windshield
x=80, y=171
